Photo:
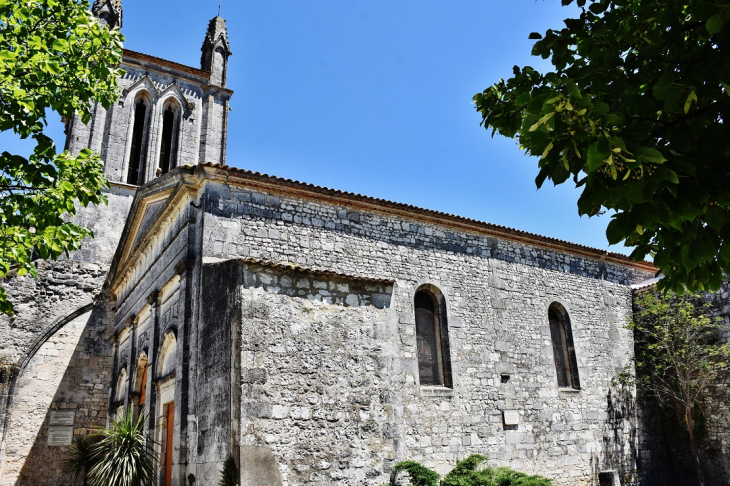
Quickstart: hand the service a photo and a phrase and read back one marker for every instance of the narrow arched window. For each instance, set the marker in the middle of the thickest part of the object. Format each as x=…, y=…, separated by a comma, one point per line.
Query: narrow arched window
x=122, y=385
x=167, y=146
x=561, y=333
x=135, y=154
x=432, y=340
x=141, y=381
x=121, y=391
x=165, y=407
x=168, y=355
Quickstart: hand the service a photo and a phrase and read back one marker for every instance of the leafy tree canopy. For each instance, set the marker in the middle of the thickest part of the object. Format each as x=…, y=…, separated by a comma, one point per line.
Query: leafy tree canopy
x=54, y=56
x=635, y=112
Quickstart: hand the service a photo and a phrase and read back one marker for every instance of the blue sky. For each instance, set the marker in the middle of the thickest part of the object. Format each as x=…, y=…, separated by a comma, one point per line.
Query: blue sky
x=374, y=97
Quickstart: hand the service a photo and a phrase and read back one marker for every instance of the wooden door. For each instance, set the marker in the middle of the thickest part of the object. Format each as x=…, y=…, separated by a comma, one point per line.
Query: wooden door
x=168, y=443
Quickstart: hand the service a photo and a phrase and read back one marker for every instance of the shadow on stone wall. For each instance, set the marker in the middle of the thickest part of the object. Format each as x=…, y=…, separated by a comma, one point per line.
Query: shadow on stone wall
x=619, y=456
x=666, y=454
x=69, y=371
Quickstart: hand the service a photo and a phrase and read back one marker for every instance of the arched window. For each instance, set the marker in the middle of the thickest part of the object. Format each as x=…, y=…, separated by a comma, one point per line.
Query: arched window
x=165, y=409
x=168, y=355
x=432, y=338
x=137, y=150
x=168, y=142
x=561, y=333
x=122, y=386
x=141, y=378
x=120, y=394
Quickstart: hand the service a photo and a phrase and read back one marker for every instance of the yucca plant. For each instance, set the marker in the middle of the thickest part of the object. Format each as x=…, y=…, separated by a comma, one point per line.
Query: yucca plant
x=79, y=458
x=123, y=455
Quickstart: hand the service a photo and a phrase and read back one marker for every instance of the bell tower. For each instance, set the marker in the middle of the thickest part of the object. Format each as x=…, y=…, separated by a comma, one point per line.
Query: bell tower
x=168, y=114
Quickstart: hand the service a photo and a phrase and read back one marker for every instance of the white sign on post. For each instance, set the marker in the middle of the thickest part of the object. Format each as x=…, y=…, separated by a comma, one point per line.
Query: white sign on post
x=511, y=417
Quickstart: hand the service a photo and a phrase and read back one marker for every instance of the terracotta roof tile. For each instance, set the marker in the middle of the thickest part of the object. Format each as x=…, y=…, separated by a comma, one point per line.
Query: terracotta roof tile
x=164, y=62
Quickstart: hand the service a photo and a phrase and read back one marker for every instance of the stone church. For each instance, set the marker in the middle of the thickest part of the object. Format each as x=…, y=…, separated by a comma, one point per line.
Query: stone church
x=316, y=336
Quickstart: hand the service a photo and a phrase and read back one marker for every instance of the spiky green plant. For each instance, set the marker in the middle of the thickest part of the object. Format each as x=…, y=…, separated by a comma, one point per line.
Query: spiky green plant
x=124, y=455
x=229, y=474
x=79, y=459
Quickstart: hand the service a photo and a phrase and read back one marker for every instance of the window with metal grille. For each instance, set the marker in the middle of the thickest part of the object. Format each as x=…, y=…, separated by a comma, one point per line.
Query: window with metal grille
x=566, y=365
x=432, y=339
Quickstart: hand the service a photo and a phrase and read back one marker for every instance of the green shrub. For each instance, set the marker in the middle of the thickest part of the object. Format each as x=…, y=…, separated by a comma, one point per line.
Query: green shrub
x=229, y=474
x=468, y=473
x=505, y=476
x=465, y=473
x=420, y=475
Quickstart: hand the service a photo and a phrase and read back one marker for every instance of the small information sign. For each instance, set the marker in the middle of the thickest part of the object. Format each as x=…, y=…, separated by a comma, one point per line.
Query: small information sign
x=60, y=435
x=511, y=417
x=62, y=417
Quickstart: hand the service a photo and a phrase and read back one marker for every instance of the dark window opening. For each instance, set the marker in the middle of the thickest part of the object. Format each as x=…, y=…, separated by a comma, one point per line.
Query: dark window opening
x=168, y=122
x=434, y=367
x=566, y=365
x=135, y=156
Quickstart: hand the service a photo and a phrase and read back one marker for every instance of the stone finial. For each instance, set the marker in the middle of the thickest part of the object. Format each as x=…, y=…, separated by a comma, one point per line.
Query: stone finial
x=109, y=12
x=215, y=51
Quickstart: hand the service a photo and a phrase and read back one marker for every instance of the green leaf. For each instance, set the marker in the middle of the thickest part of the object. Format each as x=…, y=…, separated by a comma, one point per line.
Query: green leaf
x=599, y=108
x=672, y=176
x=535, y=105
x=60, y=44
x=547, y=151
x=692, y=98
x=541, y=121
x=716, y=22
x=573, y=89
x=598, y=153
x=522, y=99
x=669, y=91
x=535, y=35
x=650, y=155
x=613, y=232
x=597, y=8
x=716, y=217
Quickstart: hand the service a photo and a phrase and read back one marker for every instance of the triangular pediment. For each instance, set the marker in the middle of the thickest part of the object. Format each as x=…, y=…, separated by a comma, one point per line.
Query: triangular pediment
x=142, y=221
x=150, y=215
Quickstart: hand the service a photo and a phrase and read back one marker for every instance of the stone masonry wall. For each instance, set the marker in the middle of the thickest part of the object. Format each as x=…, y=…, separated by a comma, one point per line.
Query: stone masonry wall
x=70, y=371
x=314, y=392
x=497, y=294
x=52, y=332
